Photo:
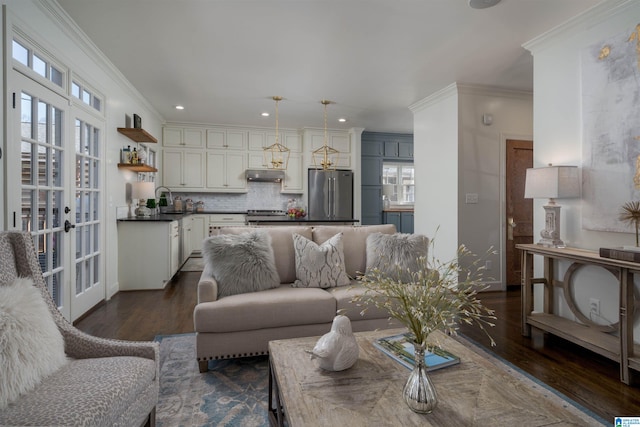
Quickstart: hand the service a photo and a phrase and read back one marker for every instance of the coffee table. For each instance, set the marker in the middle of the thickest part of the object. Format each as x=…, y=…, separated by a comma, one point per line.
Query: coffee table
x=480, y=391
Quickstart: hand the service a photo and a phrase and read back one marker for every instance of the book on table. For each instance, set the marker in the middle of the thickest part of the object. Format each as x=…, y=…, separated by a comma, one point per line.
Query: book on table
x=621, y=253
x=400, y=348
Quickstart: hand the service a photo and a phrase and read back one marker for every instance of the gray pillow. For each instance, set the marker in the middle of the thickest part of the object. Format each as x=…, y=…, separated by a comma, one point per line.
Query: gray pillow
x=395, y=255
x=319, y=266
x=241, y=263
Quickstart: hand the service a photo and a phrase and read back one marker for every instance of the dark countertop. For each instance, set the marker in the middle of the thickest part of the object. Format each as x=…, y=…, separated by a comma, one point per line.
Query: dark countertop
x=172, y=216
x=283, y=220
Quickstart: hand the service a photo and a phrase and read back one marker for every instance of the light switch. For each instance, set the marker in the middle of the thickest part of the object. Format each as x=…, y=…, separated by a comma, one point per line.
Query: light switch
x=471, y=198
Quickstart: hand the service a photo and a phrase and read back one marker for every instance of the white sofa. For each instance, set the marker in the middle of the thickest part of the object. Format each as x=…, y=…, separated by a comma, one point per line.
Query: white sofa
x=242, y=325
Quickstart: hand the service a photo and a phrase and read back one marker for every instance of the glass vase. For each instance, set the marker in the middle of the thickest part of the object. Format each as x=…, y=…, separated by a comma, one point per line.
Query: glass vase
x=419, y=392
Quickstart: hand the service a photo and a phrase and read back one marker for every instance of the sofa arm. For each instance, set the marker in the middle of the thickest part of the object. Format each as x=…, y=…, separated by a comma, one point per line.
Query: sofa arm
x=207, y=287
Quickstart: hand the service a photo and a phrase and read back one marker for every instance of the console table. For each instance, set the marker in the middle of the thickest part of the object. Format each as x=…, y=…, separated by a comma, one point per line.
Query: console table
x=601, y=339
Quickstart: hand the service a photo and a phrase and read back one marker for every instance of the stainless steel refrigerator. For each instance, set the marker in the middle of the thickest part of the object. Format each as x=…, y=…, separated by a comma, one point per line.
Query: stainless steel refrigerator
x=330, y=194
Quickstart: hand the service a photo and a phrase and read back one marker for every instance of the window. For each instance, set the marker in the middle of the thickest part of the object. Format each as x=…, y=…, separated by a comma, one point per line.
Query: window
x=86, y=95
x=38, y=63
x=398, y=183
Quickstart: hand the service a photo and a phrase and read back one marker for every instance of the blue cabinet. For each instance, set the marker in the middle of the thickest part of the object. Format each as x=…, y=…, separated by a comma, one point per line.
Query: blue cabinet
x=402, y=220
x=398, y=149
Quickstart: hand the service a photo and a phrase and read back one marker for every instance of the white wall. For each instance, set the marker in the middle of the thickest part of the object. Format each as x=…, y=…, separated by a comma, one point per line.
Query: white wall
x=456, y=154
x=558, y=138
x=435, y=157
x=50, y=27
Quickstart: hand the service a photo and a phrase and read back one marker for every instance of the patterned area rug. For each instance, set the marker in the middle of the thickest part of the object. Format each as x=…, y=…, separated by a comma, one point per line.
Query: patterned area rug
x=233, y=393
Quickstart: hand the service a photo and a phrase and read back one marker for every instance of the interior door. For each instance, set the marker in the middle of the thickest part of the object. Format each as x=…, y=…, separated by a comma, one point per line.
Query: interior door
x=37, y=159
x=519, y=211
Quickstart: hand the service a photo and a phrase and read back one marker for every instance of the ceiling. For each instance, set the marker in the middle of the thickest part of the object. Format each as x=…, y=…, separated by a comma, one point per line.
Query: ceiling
x=224, y=59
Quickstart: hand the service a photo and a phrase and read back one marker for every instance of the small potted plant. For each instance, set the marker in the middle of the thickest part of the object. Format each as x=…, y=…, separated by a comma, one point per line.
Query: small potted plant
x=162, y=203
x=630, y=214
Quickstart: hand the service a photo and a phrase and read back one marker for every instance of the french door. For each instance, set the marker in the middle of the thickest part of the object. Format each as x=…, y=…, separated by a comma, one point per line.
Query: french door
x=57, y=152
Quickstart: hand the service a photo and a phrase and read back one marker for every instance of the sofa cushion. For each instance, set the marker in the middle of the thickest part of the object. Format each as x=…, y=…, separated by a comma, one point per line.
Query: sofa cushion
x=76, y=394
x=31, y=346
x=319, y=266
x=395, y=255
x=241, y=263
x=354, y=240
x=355, y=311
x=273, y=308
x=282, y=244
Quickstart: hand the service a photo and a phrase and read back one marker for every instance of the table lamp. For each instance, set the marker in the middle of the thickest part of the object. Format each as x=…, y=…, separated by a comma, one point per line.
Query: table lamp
x=142, y=191
x=552, y=182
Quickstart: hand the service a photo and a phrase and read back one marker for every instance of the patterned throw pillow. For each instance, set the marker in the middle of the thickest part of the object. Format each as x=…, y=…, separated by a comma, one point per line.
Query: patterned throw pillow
x=319, y=266
x=241, y=263
x=395, y=255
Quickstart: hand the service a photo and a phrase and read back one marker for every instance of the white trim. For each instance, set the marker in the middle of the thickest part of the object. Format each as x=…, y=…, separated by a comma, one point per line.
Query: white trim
x=446, y=92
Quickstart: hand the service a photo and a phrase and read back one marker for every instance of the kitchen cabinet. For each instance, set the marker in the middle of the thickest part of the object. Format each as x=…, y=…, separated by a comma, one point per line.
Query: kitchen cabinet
x=183, y=169
x=225, y=220
x=183, y=137
x=227, y=139
x=226, y=171
x=186, y=226
x=199, y=231
x=148, y=254
x=371, y=204
x=398, y=150
x=339, y=141
x=293, y=178
x=402, y=220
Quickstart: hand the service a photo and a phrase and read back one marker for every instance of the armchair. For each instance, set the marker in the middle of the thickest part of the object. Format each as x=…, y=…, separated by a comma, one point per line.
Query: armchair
x=104, y=383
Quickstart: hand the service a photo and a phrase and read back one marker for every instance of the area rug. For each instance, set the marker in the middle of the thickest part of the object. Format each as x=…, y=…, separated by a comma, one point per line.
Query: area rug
x=234, y=392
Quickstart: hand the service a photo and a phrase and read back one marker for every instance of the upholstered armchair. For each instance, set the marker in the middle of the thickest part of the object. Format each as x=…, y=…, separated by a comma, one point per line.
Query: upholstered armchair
x=102, y=382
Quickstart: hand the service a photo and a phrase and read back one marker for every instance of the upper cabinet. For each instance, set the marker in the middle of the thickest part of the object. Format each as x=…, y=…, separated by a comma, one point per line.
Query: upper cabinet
x=398, y=150
x=183, y=137
x=227, y=139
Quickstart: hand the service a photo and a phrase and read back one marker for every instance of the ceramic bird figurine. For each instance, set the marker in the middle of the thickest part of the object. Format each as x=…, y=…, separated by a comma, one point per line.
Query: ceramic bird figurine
x=337, y=350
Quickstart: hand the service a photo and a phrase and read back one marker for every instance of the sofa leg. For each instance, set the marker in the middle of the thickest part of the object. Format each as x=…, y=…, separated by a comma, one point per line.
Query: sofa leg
x=203, y=365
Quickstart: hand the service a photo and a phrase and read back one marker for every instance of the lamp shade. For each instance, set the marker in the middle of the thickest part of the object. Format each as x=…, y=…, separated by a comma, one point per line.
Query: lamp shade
x=552, y=182
x=143, y=190
x=387, y=190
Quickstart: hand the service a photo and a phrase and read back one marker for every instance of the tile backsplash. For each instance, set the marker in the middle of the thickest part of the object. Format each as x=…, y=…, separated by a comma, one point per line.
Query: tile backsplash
x=259, y=195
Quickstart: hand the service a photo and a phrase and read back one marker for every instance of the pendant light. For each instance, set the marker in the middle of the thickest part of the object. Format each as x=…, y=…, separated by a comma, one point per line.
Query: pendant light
x=276, y=156
x=325, y=157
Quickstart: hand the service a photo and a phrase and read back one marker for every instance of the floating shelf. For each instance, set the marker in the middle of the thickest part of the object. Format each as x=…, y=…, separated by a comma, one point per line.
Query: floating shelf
x=137, y=135
x=137, y=168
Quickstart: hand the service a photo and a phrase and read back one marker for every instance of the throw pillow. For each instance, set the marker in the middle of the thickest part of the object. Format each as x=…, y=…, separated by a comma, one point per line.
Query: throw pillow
x=395, y=255
x=31, y=346
x=241, y=263
x=319, y=266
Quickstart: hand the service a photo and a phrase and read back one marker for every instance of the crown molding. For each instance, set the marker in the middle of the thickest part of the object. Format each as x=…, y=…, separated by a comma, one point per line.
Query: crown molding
x=444, y=93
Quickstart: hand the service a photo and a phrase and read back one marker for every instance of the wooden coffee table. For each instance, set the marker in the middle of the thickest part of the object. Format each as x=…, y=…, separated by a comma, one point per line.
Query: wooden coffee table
x=480, y=391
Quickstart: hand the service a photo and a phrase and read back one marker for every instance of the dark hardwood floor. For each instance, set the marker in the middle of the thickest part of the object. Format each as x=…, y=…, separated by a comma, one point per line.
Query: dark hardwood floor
x=587, y=378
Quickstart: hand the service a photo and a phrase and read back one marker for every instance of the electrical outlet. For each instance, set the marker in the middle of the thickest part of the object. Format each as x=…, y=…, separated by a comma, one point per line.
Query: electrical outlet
x=594, y=305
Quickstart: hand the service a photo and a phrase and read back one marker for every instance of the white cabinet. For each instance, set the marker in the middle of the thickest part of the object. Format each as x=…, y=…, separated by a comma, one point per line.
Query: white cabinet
x=227, y=139
x=183, y=168
x=199, y=231
x=183, y=137
x=216, y=221
x=293, y=178
x=186, y=226
x=226, y=171
x=148, y=254
x=339, y=141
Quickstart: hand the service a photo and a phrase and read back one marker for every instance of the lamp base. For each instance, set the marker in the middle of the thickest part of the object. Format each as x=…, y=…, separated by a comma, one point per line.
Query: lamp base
x=551, y=233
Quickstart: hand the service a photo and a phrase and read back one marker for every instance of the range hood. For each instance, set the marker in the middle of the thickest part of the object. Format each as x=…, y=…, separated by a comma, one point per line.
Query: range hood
x=264, y=175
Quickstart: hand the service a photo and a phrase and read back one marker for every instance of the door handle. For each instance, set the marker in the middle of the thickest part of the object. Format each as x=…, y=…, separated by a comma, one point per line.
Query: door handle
x=512, y=225
x=68, y=226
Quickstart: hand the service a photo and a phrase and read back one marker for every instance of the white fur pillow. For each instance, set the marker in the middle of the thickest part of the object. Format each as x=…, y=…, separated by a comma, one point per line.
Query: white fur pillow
x=395, y=255
x=241, y=263
x=31, y=346
x=319, y=266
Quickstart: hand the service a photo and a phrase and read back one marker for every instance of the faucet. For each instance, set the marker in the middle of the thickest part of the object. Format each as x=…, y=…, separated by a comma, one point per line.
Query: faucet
x=169, y=190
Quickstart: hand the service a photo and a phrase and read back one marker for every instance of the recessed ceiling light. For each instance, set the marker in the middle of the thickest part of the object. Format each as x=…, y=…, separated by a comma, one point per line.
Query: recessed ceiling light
x=482, y=4
x=342, y=120
x=179, y=107
x=265, y=114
